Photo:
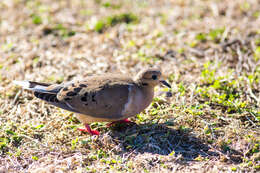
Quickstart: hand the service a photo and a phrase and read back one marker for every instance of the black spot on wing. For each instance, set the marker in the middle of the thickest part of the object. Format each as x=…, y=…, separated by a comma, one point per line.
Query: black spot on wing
x=71, y=93
x=82, y=85
x=65, y=89
x=84, y=99
x=107, y=106
x=77, y=89
x=67, y=99
x=93, y=98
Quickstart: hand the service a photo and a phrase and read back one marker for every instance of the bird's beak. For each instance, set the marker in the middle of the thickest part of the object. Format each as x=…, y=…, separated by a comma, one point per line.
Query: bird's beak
x=165, y=83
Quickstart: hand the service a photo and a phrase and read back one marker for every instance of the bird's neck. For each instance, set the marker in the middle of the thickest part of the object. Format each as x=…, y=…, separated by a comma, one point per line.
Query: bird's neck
x=148, y=93
x=147, y=89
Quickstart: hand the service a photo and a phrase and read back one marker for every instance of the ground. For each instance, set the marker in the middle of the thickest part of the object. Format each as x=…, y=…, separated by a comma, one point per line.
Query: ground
x=208, y=50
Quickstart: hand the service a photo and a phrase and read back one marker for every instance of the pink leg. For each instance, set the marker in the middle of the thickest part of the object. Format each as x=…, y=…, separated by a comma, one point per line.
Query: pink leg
x=120, y=121
x=89, y=130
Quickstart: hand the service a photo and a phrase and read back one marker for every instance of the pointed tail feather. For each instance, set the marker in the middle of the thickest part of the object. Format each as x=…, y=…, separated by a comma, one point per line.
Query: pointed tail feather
x=44, y=92
x=36, y=86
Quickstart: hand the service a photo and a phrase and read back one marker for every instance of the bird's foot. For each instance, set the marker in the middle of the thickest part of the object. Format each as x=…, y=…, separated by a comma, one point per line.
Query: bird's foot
x=120, y=121
x=89, y=130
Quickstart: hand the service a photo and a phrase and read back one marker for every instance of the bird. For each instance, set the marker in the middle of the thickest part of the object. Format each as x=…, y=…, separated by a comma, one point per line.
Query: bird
x=109, y=98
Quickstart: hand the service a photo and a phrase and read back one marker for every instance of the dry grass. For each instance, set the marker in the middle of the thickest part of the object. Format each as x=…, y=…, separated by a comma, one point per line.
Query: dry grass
x=208, y=50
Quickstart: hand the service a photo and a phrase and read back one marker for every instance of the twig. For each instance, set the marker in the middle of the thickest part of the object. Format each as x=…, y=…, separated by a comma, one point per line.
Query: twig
x=38, y=142
x=16, y=97
x=251, y=121
x=253, y=116
x=252, y=95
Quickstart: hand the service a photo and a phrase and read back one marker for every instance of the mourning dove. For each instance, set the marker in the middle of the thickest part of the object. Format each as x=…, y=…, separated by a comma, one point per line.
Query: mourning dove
x=101, y=98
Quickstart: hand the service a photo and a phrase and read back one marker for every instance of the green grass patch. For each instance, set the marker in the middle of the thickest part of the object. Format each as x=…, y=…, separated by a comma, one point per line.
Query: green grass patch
x=111, y=21
x=213, y=35
x=36, y=19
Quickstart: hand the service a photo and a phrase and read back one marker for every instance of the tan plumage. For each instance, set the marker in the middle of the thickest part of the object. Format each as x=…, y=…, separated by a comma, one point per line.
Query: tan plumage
x=106, y=98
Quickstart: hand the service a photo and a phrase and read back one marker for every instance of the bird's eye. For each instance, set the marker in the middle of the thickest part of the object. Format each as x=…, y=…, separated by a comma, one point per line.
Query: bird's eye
x=154, y=77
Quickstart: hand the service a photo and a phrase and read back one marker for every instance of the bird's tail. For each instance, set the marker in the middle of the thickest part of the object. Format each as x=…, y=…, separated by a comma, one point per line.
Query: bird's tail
x=36, y=86
x=46, y=92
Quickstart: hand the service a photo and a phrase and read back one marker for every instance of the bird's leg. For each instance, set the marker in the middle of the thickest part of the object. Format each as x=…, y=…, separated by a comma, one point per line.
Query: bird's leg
x=125, y=121
x=89, y=130
x=120, y=121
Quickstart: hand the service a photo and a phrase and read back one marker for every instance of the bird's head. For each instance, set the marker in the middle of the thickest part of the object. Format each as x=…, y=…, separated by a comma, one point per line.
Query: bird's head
x=150, y=78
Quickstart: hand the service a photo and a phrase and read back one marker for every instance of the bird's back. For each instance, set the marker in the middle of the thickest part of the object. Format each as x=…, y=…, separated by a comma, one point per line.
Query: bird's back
x=98, y=96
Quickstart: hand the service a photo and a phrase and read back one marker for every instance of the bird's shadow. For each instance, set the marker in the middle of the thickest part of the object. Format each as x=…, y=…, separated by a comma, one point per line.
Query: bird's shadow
x=160, y=139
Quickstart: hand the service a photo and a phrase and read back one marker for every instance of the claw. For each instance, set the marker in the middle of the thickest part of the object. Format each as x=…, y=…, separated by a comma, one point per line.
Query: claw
x=89, y=130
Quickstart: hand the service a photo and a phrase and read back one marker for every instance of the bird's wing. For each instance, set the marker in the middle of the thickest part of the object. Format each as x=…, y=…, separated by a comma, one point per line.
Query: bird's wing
x=97, y=98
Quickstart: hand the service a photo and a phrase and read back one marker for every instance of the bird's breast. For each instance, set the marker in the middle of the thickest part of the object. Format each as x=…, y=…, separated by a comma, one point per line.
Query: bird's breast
x=138, y=100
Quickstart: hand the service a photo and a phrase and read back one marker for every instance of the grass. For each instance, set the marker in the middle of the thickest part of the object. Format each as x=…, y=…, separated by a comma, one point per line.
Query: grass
x=208, y=51
x=113, y=20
